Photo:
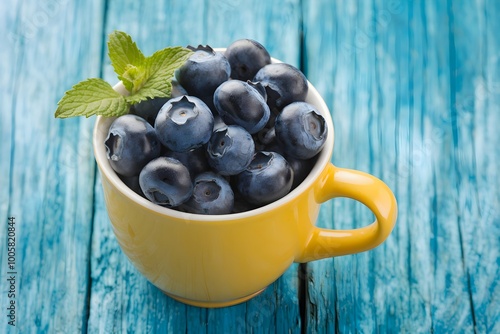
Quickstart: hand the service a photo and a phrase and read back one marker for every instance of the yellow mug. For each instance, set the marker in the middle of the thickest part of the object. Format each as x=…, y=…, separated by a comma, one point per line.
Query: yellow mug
x=222, y=260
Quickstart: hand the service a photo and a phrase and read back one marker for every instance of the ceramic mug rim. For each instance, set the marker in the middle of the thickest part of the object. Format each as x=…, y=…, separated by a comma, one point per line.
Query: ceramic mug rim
x=323, y=159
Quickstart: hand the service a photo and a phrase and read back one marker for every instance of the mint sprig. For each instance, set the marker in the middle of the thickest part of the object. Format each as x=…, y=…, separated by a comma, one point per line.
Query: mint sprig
x=143, y=77
x=158, y=66
x=126, y=59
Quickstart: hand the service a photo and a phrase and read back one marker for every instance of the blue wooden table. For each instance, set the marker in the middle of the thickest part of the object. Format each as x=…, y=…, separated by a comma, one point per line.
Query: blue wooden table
x=414, y=91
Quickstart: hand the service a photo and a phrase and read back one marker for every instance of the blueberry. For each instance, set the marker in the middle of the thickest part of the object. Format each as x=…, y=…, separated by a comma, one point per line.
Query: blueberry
x=240, y=205
x=275, y=147
x=265, y=140
x=177, y=89
x=184, y=123
x=230, y=150
x=203, y=72
x=218, y=122
x=133, y=183
x=166, y=182
x=212, y=195
x=265, y=136
x=284, y=84
x=195, y=160
x=148, y=109
x=239, y=103
x=246, y=58
x=301, y=169
x=301, y=130
x=131, y=143
x=260, y=89
x=268, y=178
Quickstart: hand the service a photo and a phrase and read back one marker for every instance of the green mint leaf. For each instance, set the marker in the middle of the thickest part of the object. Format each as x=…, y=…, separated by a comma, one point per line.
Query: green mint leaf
x=143, y=78
x=127, y=60
x=160, y=67
x=92, y=97
x=133, y=78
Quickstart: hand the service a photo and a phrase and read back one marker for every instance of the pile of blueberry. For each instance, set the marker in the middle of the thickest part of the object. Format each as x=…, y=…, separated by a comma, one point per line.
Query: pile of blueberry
x=236, y=134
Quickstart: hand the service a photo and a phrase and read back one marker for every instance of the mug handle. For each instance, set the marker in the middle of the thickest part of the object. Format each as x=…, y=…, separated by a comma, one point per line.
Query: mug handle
x=362, y=187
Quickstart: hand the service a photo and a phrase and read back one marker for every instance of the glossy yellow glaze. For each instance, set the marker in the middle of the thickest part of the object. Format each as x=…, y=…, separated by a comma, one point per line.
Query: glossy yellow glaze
x=216, y=261
x=365, y=188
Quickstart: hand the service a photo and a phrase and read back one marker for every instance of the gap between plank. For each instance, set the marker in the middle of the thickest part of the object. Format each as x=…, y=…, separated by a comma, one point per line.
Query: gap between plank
x=96, y=171
x=303, y=296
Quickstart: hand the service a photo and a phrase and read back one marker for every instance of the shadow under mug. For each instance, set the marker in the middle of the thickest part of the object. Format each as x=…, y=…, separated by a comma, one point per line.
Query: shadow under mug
x=223, y=260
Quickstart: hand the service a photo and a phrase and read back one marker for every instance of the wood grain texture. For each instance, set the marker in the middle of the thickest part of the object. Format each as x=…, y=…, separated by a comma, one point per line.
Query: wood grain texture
x=49, y=162
x=397, y=72
x=476, y=97
x=414, y=92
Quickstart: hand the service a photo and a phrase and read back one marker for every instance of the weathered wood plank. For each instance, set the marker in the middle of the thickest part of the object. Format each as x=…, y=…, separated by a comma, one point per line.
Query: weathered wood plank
x=48, y=163
x=475, y=118
x=121, y=299
x=344, y=293
x=398, y=82
x=432, y=162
